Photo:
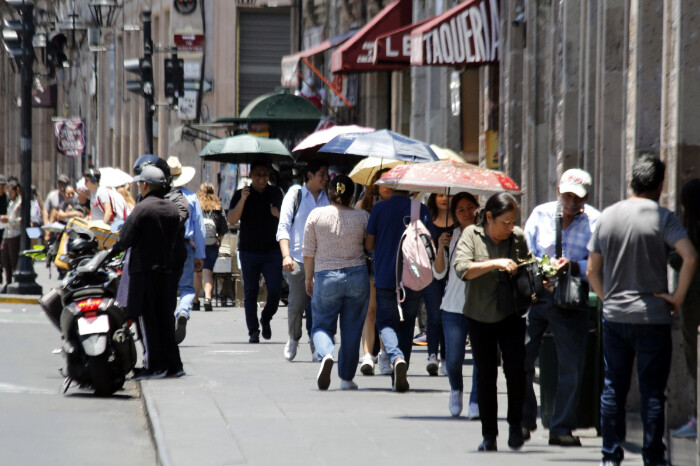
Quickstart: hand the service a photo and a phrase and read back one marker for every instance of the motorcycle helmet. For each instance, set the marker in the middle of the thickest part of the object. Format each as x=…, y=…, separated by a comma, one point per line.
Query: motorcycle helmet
x=80, y=244
x=150, y=159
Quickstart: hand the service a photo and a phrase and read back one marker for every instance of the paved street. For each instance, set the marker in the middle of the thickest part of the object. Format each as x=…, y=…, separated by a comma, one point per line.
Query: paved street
x=240, y=404
x=38, y=426
x=245, y=404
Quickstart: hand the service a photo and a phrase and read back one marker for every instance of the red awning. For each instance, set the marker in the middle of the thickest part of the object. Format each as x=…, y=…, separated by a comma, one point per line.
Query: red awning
x=468, y=34
x=357, y=54
x=291, y=62
x=395, y=46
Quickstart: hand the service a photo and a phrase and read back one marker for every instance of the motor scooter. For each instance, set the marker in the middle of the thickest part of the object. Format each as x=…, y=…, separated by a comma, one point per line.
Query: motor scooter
x=98, y=344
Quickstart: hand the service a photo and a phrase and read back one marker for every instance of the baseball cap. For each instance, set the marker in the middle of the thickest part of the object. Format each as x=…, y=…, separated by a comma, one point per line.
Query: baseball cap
x=63, y=179
x=575, y=181
x=3, y=180
x=151, y=175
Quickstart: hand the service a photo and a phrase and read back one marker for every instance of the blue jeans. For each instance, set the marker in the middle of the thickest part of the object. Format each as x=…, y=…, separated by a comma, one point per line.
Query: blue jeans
x=652, y=346
x=455, y=329
x=570, y=332
x=432, y=297
x=270, y=266
x=397, y=335
x=186, y=283
x=340, y=293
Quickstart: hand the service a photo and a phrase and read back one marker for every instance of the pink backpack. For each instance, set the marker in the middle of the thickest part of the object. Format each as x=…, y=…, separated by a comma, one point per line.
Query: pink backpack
x=415, y=257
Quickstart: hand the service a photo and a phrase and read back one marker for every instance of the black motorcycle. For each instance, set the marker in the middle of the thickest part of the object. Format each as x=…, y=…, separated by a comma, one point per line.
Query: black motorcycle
x=98, y=344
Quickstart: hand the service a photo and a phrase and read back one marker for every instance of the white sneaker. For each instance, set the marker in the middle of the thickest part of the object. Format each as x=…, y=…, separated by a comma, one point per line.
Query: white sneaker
x=473, y=411
x=441, y=368
x=347, y=385
x=384, y=363
x=290, y=349
x=324, y=373
x=455, y=402
x=367, y=367
x=432, y=366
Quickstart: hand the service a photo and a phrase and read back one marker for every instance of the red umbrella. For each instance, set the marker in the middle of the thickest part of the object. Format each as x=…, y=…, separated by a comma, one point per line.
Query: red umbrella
x=448, y=177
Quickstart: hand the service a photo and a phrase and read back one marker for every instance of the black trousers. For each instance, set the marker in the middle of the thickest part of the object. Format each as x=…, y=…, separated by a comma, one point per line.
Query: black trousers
x=152, y=297
x=509, y=335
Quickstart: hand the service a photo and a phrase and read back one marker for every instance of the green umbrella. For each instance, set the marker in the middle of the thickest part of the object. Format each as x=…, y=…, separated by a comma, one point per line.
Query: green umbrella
x=245, y=148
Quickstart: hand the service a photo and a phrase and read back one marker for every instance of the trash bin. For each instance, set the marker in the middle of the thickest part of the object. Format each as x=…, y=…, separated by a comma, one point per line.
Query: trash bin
x=588, y=411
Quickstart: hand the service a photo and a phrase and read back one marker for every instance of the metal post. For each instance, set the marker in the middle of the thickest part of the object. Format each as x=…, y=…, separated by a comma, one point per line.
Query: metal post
x=24, y=276
x=149, y=96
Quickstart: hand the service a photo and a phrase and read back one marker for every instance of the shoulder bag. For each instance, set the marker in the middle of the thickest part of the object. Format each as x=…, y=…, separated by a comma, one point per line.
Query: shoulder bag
x=570, y=292
x=522, y=289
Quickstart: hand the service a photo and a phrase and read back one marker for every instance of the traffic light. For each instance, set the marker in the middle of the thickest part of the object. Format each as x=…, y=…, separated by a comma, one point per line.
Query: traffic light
x=174, y=77
x=12, y=33
x=144, y=68
x=55, y=55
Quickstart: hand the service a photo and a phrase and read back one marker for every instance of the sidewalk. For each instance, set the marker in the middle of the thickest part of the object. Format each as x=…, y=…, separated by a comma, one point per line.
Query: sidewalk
x=245, y=404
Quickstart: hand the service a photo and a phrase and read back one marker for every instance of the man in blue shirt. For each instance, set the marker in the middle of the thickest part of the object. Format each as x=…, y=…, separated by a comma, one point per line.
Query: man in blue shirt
x=290, y=234
x=569, y=328
x=195, y=240
x=387, y=222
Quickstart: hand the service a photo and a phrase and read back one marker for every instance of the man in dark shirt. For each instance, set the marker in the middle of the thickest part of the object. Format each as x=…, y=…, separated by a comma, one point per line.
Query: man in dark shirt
x=258, y=208
x=151, y=231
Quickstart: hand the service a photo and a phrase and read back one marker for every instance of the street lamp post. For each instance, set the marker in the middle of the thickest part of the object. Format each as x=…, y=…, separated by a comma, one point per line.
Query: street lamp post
x=24, y=276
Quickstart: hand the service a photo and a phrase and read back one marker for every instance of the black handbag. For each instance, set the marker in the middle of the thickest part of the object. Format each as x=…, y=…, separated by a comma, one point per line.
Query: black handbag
x=520, y=290
x=570, y=291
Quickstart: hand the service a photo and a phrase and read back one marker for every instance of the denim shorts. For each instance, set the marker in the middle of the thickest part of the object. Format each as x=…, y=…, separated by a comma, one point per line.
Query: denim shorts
x=211, y=253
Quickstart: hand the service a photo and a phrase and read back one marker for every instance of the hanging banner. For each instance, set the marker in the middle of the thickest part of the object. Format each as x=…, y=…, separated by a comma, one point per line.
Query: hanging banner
x=70, y=136
x=468, y=34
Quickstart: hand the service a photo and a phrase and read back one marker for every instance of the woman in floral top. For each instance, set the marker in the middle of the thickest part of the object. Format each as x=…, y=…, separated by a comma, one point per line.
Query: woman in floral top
x=337, y=280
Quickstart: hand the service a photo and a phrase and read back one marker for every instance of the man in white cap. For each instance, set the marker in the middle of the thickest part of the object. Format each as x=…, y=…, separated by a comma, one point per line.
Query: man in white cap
x=195, y=241
x=577, y=221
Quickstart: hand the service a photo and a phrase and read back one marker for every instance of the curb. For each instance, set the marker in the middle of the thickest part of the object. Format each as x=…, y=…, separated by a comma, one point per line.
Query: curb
x=19, y=299
x=154, y=426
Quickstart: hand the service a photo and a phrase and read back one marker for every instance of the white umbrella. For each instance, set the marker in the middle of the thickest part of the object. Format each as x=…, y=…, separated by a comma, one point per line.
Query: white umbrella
x=112, y=177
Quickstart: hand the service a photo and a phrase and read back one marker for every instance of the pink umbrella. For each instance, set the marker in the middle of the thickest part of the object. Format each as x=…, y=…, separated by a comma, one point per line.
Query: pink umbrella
x=448, y=177
x=308, y=148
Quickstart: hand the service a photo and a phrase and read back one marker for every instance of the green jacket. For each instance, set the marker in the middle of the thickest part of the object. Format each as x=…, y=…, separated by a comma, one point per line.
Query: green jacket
x=480, y=293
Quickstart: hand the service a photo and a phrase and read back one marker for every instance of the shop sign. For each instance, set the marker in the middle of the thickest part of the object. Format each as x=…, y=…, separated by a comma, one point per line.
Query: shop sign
x=468, y=34
x=189, y=42
x=395, y=46
x=70, y=136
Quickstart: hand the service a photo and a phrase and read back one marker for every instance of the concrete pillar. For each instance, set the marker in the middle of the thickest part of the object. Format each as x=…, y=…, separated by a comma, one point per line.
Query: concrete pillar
x=609, y=177
x=680, y=140
x=527, y=60
x=587, y=96
x=567, y=78
x=680, y=148
x=643, y=122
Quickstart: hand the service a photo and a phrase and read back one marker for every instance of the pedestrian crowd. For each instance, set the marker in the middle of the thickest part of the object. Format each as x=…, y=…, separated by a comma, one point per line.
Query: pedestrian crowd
x=347, y=266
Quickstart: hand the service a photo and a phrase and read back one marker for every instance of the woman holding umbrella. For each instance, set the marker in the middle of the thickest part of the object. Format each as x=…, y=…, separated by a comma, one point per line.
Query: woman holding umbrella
x=438, y=205
x=454, y=322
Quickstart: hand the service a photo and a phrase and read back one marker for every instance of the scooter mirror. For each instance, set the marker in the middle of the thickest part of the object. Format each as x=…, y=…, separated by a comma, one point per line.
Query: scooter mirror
x=34, y=232
x=116, y=226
